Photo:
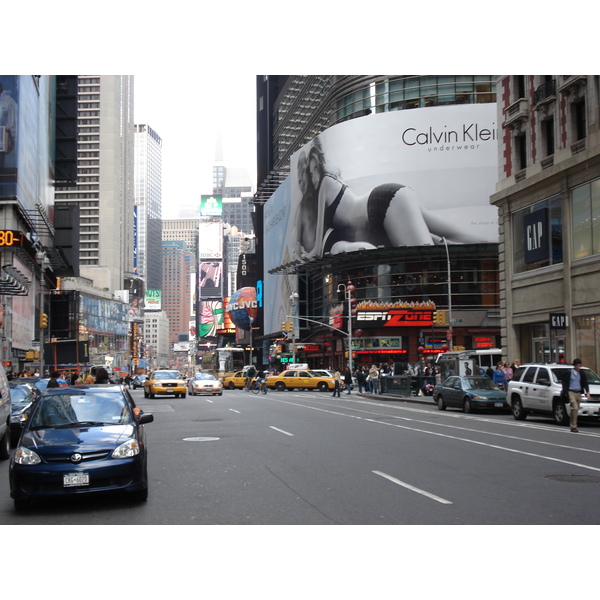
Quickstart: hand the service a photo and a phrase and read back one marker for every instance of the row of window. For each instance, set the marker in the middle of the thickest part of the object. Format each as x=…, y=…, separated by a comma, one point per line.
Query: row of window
x=538, y=229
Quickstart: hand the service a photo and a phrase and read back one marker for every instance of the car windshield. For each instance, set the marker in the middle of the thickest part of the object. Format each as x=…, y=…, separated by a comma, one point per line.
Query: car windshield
x=20, y=395
x=479, y=383
x=205, y=376
x=42, y=384
x=76, y=409
x=166, y=375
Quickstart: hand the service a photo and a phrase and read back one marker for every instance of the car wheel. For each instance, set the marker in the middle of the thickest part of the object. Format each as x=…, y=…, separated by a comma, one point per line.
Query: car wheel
x=440, y=403
x=561, y=417
x=323, y=387
x=145, y=393
x=231, y=385
x=150, y=395
x=280, y=386
x=517, y=410
x=468, y=406
x=5, y=445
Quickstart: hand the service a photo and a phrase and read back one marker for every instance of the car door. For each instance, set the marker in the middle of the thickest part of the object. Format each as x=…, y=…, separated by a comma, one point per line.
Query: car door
x=305, y=380
x=541, y=390
x=449, y=391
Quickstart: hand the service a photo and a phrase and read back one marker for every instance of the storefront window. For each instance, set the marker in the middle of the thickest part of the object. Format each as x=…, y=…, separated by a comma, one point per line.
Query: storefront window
x=587, y=341
x=537, y=236
x=585, y=201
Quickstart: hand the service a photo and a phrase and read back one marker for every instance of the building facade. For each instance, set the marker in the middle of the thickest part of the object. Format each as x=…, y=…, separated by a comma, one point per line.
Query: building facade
x=178, y=265
x=148, y=206
x=548, y=201
x=414, y=131
x=104, y=190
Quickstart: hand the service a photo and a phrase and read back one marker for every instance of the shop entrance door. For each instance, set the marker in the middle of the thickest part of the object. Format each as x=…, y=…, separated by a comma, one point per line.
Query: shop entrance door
x=541, y=350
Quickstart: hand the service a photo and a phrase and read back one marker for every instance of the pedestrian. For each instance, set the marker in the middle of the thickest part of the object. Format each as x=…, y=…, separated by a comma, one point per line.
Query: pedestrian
x=374, y=379
x=337, y=379
x=348, y=380
x=359, y=381
x=499, y=377
x=574, y=383
x=53, y=379
x=508, y=372
x=102, y=376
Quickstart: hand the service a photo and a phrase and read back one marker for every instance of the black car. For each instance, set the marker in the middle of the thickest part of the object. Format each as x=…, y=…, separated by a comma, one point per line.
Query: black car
x=470, y=394
x=138, y=381
x=22, y=397
x=81, y=440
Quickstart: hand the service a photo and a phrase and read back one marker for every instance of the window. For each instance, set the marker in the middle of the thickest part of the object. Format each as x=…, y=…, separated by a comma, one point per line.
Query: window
x=548, y=133
x=585, y=204
x=521, y=151
x=579, y=121
x=546, y=236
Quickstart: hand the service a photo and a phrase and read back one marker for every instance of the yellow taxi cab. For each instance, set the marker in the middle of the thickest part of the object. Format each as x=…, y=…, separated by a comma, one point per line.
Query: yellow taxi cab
x=235, y=381
x=164, y=382
x=300, y=379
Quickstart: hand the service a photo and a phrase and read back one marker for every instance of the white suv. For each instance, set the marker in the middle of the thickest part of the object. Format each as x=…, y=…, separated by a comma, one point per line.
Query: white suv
x=537, y=388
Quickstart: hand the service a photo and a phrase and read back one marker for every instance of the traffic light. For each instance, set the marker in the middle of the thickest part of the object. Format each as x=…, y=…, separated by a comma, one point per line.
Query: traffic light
x=286, y=326
x=43, y=320
x=439, y=317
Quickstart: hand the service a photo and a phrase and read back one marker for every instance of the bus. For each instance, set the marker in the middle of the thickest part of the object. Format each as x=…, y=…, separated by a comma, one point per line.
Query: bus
x=223, y=362
x=466, y=362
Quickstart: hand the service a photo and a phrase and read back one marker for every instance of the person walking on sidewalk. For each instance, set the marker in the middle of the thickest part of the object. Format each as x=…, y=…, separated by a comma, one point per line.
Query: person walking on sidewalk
x=374, y=379
x=575, y=383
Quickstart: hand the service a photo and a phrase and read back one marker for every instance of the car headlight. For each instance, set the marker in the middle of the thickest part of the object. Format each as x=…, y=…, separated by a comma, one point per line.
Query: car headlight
x=25, y=456
x=127, y=449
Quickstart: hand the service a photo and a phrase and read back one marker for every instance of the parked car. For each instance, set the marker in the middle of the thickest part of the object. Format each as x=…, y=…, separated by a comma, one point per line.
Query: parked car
x=138, y=381
x=537, y=389
x=470, y=394
x=22, y=397
x=296, y=378
x=205, y=383
x=81, y=439
x=235, y=381
x=4, y=416
x=167, y=382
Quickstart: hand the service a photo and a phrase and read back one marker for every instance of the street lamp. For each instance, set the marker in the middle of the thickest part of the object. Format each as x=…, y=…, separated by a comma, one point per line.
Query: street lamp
x=450, y=332
x=294, y=301
x=42, y=260
x=348, y=289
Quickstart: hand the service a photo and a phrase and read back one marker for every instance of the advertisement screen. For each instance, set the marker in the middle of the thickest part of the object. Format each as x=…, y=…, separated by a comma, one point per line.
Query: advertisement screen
x=210, y=240
x=211, y=206
x=210, y=279
x=402, y=178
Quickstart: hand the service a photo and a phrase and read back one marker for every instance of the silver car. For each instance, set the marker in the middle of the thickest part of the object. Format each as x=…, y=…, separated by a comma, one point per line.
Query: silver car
x=205, y=383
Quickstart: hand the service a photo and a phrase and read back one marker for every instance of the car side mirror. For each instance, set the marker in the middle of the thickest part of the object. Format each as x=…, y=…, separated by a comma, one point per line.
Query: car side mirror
x=543, y=381
x=145, y=418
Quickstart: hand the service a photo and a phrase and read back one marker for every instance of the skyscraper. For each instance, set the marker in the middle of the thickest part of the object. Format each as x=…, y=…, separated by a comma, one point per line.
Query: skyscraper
x=148, y=206
x=104, y=189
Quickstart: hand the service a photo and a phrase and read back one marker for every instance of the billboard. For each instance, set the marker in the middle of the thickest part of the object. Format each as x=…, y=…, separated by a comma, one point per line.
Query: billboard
x=402, y=178
x=211, y=206
x=153, y=300
x=210, y=239
x=210, y=277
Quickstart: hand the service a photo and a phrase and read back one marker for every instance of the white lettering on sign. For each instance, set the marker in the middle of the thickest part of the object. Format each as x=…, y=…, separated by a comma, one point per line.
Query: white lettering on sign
x=534, y=236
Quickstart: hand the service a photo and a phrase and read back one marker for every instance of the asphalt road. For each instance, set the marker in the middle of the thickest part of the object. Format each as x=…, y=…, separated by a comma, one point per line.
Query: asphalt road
x=306, y=458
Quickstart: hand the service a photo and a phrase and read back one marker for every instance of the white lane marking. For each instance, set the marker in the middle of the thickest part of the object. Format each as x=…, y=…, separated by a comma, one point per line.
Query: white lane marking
x=443, y=435
x=235, y=411
x=412, y=488
x=211, y=401
x=282, y=431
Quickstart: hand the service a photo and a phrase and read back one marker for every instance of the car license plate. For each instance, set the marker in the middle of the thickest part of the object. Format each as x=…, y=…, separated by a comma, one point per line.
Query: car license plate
x=499, y=405
x=76, y=479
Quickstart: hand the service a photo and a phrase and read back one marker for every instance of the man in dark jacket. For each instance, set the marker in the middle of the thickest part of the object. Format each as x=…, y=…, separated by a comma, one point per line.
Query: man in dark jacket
x=574, y=383
x=348, y=380
x=53, y=380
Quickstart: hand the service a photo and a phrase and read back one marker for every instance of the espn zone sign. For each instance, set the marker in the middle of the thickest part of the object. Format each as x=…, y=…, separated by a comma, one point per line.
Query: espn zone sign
x=394, y=317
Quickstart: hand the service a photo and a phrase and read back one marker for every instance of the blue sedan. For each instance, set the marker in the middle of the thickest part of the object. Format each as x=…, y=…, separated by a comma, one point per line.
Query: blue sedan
x=80, y=440
x=470, y=394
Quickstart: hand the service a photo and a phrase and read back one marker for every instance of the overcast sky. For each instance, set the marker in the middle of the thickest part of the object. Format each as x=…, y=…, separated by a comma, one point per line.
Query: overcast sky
x=189, y=119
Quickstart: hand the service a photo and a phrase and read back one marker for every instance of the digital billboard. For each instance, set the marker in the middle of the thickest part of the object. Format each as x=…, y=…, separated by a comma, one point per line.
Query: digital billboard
x=210, y=277
x=211, y=206
x=210, y=240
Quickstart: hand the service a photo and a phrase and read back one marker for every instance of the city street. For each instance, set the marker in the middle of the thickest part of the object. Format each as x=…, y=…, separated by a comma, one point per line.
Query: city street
x=298, y=457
